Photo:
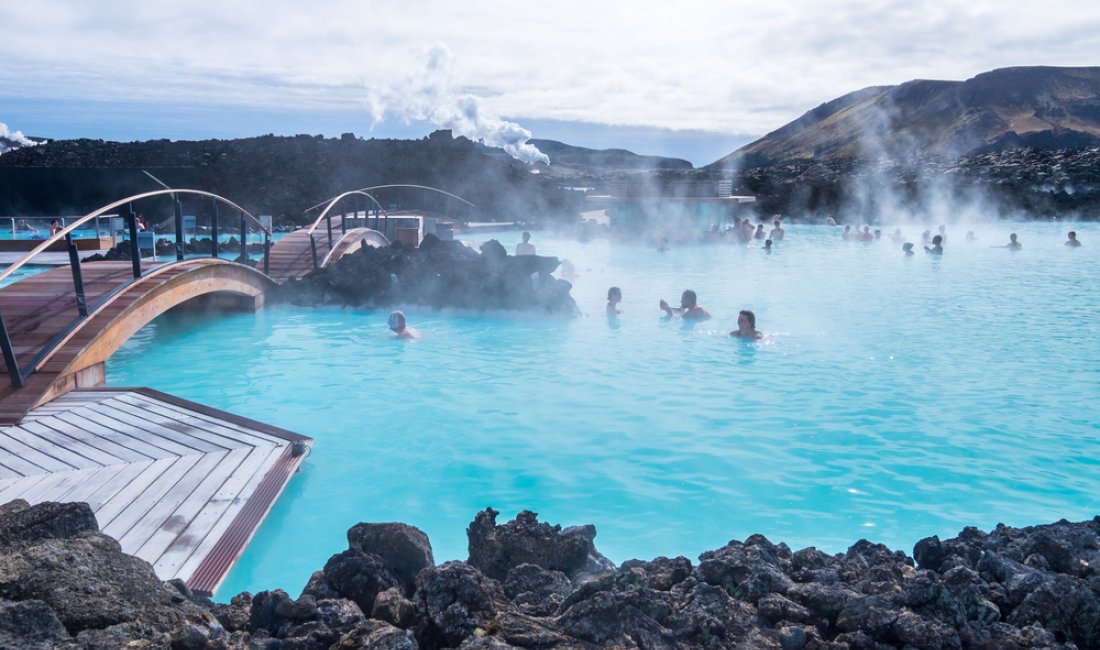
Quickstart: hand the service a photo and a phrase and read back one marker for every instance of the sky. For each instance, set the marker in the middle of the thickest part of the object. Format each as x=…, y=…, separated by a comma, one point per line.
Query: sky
x=692, y=79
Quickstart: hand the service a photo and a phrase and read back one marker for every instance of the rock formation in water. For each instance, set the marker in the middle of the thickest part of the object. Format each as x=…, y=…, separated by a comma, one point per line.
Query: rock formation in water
x=437, y=274
x=529, y=584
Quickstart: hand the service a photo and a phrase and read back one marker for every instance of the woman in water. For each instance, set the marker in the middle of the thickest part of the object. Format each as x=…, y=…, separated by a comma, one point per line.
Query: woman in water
x=614, y=297
x=746, y=326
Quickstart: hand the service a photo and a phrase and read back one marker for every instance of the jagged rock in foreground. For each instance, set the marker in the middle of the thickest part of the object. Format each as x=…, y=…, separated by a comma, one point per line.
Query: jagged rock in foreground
x=437, y=274
x=532, y=585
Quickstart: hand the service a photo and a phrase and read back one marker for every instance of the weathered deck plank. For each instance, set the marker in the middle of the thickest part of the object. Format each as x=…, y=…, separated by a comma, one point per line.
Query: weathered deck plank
x=178, y=484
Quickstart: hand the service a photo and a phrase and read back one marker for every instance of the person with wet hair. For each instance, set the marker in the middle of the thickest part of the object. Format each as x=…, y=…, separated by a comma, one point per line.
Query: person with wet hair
x=746, y=326
x=768, y=245
x=689, y=308
x=614, y=297
x=777, y=230
x=1072, y=241
x=937, y=246
x=55, y=227
x=525, y=247
x=400, y=327
x=907, y=249
x=1013, y=243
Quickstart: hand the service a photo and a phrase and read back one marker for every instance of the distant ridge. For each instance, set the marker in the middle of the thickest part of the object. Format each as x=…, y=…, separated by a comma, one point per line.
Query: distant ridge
x=605, y=160
x=1008, y=108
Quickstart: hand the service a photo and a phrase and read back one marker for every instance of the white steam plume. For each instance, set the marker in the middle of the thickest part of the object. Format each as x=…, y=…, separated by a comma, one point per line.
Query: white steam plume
x=13, y=139
x=427, y=95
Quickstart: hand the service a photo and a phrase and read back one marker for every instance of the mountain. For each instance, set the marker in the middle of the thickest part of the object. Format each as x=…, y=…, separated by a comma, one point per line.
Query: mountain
x=568, y=159
x=1009, y=108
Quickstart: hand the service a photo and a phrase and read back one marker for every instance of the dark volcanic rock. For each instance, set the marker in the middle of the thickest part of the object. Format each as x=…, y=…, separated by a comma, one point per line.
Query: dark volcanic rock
x=64, y=585
x=404, y=550
x=497, y=549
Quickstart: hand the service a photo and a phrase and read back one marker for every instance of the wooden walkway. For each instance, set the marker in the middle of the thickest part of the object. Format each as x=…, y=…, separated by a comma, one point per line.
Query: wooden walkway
x=178, y=484
x=40, y=312
x=292, y=257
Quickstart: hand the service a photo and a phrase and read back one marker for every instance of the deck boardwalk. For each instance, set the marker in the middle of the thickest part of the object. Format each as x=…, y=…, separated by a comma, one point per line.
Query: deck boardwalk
x=292, y=256
x=178, y=484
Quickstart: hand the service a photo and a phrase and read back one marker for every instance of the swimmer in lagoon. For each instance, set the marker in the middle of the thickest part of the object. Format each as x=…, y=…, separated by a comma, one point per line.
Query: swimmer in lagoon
x=614, y=297
x=777, y=230
x=525, y=247
x=970, y=236
x=896, y=236
x=937, y=246
x=689, y=308
x=1013, y=243
x=768, y=245
x=1072, y=241
x=746, y=326
x=400, y=328
x=907, y=248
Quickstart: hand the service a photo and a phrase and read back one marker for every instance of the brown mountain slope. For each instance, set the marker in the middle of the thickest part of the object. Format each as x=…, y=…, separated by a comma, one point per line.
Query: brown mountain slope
x=1040, y=107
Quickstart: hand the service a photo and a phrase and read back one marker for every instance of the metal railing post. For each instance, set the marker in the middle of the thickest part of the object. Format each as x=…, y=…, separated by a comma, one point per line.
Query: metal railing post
x=244, y=239
x=267, y=253
x=9, y=355
x=135, y=248
x=313, y=249
x=328, y=222
x=78, y=278
x=214, y=229
x=343, y=224
x=179, y=231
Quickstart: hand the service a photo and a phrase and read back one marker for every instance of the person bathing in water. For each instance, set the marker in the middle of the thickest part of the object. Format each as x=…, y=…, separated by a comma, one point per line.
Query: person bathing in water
x=614, y=297
x=1072, y=241
x=689, y=308
x=400, y=328
x=1013, y=243
x=937, y=246
x=746, y=326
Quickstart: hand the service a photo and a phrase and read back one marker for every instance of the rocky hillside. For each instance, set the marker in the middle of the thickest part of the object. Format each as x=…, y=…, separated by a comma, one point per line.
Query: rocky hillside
x=567, y=159
x=281, y=176
x=1009, y=108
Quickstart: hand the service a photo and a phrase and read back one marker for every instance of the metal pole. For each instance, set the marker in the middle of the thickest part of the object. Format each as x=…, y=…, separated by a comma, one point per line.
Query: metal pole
x=78, y=279
x=244, y=239
x=343, y=224
x=328, y=222
x=135, y=249
x=267, y=252
x=9, y=354
x=179, y=231
x=313, y=249
x=214, y=229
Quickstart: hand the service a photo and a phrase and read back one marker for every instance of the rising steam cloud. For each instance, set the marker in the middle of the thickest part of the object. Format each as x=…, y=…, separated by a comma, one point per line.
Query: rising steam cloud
x=13, y=139
x=427, y=95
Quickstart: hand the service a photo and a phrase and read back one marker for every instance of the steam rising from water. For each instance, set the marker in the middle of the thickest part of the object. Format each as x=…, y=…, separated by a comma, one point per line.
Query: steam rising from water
x=427, y=95
x=13, y=139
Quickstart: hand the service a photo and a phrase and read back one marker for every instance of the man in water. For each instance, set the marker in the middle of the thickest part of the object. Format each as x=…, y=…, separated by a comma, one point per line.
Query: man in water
x=1072, y=241
x=746, y=326
x=525, y=247
x=777, y=230
x=907, y=248
x=937, y=246
x=689, y=308
x=1013, y=244
x=403, y=331
x=614, y=297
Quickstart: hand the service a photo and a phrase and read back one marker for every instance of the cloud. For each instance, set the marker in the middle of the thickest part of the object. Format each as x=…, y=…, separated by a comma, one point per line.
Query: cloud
x=735, y=66
x=13, y=139
x=426, y=95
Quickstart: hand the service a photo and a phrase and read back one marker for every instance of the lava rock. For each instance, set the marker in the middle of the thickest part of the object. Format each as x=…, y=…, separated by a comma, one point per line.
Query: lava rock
x=404, y=550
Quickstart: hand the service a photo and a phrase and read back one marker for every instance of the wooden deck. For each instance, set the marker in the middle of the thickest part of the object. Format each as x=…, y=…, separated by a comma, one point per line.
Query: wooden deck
x=178, y=484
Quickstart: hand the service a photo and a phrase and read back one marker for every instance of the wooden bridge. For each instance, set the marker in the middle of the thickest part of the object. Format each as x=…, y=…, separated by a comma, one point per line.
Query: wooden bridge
x=179, y=484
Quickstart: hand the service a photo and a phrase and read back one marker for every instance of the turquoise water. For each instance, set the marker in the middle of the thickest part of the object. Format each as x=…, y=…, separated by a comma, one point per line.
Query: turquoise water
x=893, y=398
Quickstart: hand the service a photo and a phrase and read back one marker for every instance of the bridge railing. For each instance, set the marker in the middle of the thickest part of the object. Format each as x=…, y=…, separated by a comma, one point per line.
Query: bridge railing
x=19, y=373
x=326, y=216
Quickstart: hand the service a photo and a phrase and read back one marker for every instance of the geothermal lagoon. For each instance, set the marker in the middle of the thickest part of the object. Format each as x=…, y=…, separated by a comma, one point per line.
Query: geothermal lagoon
x=893, y=398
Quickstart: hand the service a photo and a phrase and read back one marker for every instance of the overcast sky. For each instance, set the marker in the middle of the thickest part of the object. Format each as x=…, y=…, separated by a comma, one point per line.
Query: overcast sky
x=658, y=75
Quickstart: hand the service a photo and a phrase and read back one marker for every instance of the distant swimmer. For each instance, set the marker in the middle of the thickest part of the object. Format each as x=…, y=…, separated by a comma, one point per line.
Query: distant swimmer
x=943, y=234
x=55, y=227
x=525, y=247
x=830, y=221
x=768, y=245
x=1072, y=241
x=760, y=234
x=937, y=246
x=970, y=236
x=689, y=308
x=896, y=237
x=746, y=326
x=397, y=324
x=777, y=230
x=907, y=248
x=614, y=297
x=1013, y=244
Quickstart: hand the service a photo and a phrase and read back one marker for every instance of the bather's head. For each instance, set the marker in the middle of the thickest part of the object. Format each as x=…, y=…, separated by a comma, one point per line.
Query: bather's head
x=688, y=299
x=397, y=321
